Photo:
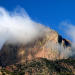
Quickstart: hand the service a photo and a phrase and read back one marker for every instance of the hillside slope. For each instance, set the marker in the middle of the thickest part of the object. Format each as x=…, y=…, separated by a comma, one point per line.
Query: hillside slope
x=41, y=66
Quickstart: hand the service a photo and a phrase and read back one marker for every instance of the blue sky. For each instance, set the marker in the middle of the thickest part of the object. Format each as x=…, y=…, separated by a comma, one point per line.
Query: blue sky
x=48, y=12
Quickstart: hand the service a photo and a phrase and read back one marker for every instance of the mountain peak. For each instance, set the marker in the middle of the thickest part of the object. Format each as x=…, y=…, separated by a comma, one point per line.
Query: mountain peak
x=51, y=46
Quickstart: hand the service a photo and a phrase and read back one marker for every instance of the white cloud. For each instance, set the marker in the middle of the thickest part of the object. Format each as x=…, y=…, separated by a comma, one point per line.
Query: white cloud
x=18, y=27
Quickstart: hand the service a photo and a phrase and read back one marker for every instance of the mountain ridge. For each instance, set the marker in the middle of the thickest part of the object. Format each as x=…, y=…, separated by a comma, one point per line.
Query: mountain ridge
x=44, y=47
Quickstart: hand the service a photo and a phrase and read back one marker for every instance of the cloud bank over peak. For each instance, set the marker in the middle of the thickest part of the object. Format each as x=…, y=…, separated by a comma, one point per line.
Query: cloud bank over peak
x=17, y=27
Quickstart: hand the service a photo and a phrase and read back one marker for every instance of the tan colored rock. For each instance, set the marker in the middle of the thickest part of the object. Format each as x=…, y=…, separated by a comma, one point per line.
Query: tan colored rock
x=44, y=47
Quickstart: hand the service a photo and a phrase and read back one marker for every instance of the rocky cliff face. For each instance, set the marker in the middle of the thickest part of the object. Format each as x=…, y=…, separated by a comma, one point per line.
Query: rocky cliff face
x=43, y=47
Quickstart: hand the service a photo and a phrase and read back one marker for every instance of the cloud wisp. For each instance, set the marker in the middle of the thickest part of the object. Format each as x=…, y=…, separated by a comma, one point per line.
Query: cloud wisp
x=69, y=30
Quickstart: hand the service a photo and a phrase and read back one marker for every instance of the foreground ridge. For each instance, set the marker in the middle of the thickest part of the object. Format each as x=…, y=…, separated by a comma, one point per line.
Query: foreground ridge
x=41, y=66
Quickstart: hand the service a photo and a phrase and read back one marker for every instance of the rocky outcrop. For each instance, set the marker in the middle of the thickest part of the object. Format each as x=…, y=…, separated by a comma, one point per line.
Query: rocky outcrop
x=44, y=47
